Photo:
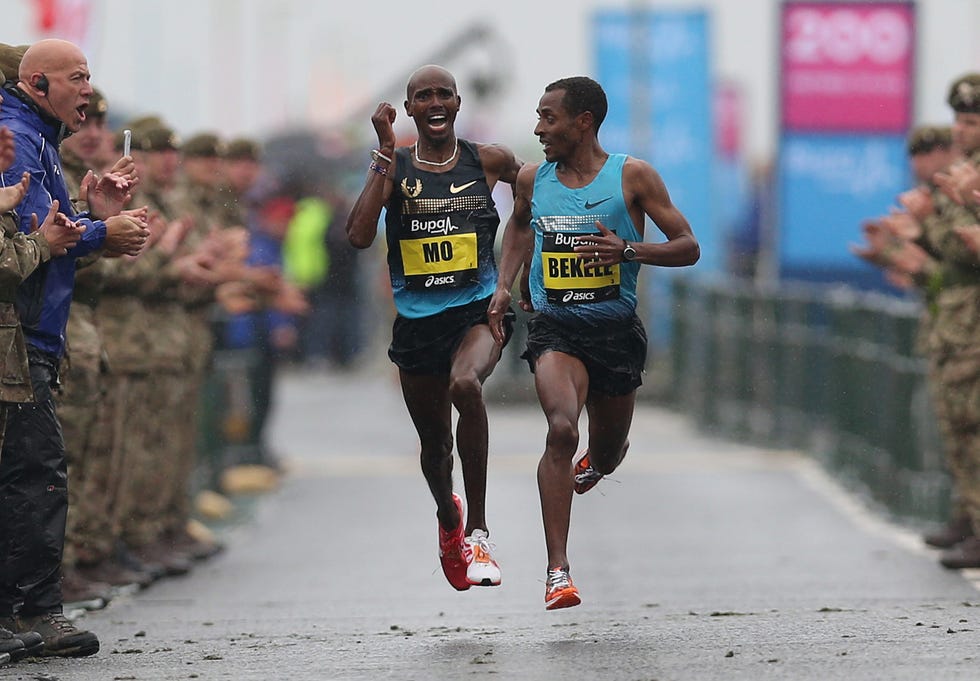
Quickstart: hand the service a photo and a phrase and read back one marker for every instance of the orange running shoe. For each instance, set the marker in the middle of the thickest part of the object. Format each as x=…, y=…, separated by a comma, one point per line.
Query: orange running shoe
x=560, y=592
x=483, y=569
x=585, y=475
x=454, y=552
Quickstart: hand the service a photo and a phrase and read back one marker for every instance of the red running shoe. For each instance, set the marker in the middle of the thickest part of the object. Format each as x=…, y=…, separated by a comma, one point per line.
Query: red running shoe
x=585, y=475
x=560, y=592
x=453, y=551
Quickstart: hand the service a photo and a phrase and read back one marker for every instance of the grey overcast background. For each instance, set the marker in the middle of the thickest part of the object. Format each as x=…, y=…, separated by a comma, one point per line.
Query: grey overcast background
x=260, y=66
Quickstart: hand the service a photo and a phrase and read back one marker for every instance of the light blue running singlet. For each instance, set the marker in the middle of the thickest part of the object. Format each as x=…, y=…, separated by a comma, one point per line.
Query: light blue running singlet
x=561, y=287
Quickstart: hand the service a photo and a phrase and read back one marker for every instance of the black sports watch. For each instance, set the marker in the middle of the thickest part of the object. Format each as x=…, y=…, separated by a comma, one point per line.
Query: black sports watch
x=629, y=253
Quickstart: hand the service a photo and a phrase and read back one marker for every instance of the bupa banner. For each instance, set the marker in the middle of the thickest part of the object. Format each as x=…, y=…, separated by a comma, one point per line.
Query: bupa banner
x=847, y=81
x=829, y=184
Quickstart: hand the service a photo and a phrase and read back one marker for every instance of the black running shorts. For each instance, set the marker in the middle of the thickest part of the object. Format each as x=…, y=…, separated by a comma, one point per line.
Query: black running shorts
x=426, y=345
x=614, y=355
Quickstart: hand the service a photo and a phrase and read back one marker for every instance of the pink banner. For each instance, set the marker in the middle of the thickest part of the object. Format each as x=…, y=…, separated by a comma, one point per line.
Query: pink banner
x=728, y=105
x=847, y=67
x=65, y=19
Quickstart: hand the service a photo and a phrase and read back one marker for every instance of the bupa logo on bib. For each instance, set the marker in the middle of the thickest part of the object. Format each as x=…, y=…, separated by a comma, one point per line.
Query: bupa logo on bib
x=442, y=225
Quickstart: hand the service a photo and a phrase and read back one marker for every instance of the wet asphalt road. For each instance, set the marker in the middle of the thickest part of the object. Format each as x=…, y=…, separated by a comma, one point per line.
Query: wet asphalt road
x=701, y=560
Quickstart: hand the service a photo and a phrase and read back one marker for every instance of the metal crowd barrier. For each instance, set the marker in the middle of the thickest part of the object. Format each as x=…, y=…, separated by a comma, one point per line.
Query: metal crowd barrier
x=830, y=371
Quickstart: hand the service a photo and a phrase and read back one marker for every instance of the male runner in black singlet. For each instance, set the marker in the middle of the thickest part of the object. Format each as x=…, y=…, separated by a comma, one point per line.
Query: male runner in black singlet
x=440, y=225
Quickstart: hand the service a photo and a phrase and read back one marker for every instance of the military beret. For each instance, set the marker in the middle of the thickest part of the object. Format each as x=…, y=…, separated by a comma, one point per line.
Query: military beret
x=926, y=138
x=10, y=57
x=143, y=122
x=242, y=149
x=97, y=104
x=150, y=133
x=964, y=94
x=156, y=138
x=203, y=145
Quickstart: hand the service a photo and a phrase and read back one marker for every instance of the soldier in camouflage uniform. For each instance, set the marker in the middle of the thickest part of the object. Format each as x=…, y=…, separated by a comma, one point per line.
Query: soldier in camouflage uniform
x=932, y=152
x=242, y=168
x=942, y=262
x=87, y=536
x=198, y=196
x=144, y=349
x=936, y=254
x=955, y=341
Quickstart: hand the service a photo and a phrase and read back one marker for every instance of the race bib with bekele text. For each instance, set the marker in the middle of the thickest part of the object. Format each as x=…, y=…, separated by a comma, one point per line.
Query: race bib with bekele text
x=571, y=280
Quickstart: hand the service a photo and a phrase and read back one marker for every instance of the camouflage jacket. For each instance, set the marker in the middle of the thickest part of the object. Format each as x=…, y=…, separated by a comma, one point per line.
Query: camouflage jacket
x=202, y=204
x=954, y=285
x=143, y=330
x=88, y=274
x=20, y=254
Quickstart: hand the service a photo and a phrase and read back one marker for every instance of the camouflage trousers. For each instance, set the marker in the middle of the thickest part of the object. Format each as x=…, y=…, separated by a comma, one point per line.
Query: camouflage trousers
x=145, y=471
x=81, y=410
x=957, y=398
x=176, y=437
x=185, y=435
x=158, y=453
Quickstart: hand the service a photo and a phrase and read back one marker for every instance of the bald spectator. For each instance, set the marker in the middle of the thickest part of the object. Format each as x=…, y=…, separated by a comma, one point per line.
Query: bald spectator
x=49, y=100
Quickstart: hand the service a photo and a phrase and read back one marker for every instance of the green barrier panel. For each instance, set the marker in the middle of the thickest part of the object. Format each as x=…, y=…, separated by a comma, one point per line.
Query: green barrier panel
x=829, y=370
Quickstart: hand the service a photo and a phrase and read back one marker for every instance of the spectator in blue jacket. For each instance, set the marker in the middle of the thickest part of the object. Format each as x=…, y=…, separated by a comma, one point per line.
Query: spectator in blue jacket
x=46, y=104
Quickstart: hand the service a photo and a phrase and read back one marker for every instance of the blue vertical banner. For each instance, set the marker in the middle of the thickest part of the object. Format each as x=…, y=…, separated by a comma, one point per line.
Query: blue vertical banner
x=655, y=68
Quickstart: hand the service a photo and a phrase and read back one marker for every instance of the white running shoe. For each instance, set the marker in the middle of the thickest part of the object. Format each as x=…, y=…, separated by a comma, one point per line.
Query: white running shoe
x=482, y=569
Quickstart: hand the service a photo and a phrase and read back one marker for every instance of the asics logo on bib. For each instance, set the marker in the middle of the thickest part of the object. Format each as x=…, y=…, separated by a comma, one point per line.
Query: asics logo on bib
x=440, y=281
x=578, y=296
x=440, y=226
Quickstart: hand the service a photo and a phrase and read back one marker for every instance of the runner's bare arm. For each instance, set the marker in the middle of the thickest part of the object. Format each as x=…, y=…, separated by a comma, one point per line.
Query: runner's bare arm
x=646, y=195
x=499, y=164
x=362, y=221
x=518, y=243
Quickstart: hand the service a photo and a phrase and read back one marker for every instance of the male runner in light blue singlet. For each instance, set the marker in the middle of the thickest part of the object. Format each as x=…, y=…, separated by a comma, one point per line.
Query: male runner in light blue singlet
x=578, y=222
x=440, y=226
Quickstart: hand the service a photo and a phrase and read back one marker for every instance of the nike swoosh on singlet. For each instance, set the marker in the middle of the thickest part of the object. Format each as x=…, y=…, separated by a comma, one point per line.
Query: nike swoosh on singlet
x=590, y=206
x=453, y=189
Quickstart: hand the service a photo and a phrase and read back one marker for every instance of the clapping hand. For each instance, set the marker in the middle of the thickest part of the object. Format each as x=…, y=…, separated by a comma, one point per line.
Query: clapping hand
x=960, y=182
x=10, y=197
x=108, y=195
x=60, y=232
x=917, y=202
x=879, y=244
x=127, y=233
